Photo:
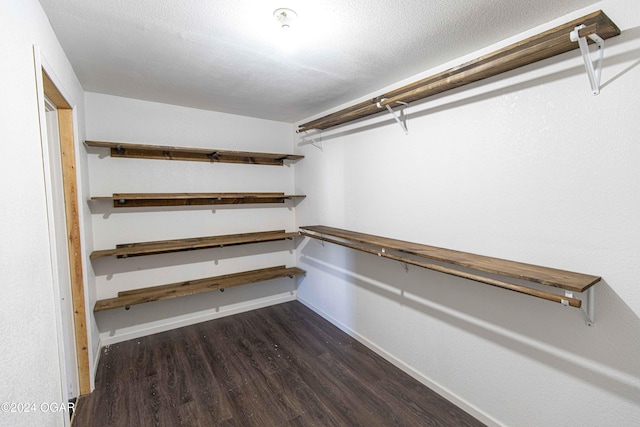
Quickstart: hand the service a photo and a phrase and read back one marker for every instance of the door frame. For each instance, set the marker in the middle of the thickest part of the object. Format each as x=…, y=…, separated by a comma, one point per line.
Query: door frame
x=66, y=126
x=59, y=251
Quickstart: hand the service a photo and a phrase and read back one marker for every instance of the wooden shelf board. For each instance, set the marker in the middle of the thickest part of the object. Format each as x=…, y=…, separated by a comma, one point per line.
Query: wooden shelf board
x=178, y=245
x=533, y=49
x=175, y=290
x=568, y=280
x=123, y=200
x=211, y=155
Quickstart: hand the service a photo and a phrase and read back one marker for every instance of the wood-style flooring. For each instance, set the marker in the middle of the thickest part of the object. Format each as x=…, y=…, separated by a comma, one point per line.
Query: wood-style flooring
x=279, y=366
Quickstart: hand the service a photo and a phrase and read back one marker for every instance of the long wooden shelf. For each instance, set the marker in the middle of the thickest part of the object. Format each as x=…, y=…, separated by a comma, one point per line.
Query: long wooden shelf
x=211, y=155
x=178, y=245
x=536, y=48
x=175, y=290
x=567, y=280
x=130, y=200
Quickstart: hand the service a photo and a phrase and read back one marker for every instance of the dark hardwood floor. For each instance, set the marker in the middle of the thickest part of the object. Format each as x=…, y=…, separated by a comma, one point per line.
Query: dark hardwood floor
x=279, y=366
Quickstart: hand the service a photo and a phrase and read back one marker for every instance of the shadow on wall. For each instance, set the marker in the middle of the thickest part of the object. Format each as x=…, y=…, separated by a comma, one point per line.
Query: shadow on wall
x=420, y=109
x=108, y=266
x=106, y=208
x=604, y=355
x=151, y=317
x=143, y=317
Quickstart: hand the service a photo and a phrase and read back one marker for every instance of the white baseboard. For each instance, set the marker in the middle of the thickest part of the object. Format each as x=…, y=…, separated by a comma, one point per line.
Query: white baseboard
x=96, y=361
x=199, y=318
x=442, y=391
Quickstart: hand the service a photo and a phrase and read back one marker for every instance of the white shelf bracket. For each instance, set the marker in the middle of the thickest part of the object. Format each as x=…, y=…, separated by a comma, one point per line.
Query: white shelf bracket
x=318, y=144
x=590, y=310
x=594, y=68
x=401, y=118
x=588, y=305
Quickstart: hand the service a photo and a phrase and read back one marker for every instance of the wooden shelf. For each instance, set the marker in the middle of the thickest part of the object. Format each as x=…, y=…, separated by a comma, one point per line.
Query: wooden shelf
x=130, y=200
x=542, y=46
x=567, y=280
x=175, y=290
x=179, y=245
x=211, y=155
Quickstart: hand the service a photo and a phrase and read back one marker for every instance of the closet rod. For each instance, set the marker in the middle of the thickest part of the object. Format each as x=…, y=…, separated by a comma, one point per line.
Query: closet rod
x=536, y=48
x=573, y=302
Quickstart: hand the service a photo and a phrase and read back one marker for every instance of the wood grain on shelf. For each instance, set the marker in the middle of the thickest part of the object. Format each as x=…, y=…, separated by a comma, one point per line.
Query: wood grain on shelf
x=568, y=280
x=574, y=302
x=212, y=155
x=122, y=200
x=533, y=49
x=175, y=290
x=177, y=245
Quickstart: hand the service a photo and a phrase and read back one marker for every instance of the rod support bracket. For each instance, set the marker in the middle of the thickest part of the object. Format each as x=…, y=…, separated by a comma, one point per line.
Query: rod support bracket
x=401, y=118
x=593, y=68
x=589, y=311
x=319, y=144
x=565, y=302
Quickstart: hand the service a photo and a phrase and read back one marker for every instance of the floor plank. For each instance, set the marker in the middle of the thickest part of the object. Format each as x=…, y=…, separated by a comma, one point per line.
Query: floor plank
x=279, y=366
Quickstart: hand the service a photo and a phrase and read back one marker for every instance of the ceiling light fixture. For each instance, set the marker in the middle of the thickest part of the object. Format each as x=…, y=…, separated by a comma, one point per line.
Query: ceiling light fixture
x=285, y=16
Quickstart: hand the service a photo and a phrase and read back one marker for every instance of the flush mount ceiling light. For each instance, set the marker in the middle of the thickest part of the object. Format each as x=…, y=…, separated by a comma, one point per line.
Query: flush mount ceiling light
x=285, y=16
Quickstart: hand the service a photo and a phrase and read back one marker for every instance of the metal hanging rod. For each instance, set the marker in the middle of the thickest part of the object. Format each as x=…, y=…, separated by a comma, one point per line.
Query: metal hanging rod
x=550, y=296
x=458, y=263
x=533, y=49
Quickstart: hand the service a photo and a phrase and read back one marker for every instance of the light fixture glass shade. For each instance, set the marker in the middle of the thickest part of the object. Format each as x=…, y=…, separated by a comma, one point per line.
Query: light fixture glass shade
x=285, y=16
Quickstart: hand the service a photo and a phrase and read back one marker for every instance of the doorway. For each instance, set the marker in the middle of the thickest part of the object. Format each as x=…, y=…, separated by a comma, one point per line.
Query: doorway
x=60, y=253
x=65, y=244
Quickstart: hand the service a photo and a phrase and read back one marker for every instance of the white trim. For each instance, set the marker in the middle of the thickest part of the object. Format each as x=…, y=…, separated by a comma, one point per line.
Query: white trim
x=96, y=360
x=436, y=387
x=48, y=105
x=107, y=339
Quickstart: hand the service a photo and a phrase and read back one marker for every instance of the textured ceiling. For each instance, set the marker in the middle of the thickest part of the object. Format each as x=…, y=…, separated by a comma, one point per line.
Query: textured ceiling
x=231, y=56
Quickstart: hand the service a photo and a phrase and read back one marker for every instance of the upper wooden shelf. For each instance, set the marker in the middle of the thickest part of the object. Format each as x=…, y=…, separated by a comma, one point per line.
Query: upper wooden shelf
x=130, y=200
x=179, y=245
x=568, y=280
x=536, y=48
x=141, y=151
x=175, y=290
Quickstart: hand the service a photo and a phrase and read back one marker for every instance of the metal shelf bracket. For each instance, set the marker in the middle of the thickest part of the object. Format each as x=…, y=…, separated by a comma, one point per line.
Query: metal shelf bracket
x=318, y=144
x=594, y=68
x=401, y=118
x=590, y=310
x=588, y=306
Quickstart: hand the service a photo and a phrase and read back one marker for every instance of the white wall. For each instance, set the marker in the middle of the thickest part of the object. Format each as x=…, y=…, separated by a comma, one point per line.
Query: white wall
x=110, y=118
x=29, y=366
x=526, y=166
